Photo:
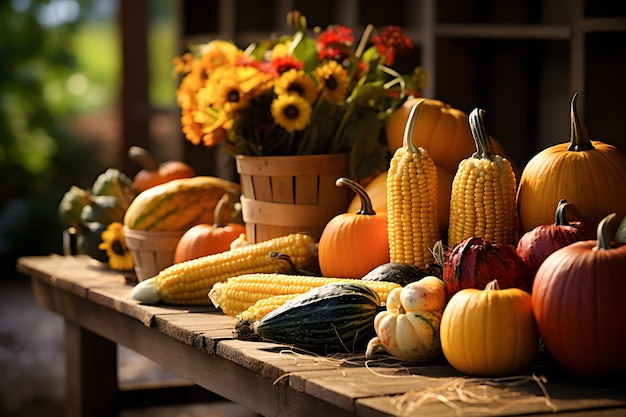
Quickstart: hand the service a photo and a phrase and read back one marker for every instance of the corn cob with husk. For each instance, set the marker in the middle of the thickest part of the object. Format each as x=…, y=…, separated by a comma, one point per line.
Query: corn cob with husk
x=412, y=214
x=237, y=294
x=189, y=282
x=482, y=202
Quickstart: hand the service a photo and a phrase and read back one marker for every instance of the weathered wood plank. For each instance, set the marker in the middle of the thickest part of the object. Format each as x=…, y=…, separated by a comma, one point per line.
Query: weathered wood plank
x=225, y=378
x=394, y=393
x=74, y=274
x=270, y=360
x=202, y=330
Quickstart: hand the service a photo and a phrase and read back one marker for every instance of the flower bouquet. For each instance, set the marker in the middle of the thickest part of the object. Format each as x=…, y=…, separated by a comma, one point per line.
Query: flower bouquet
x=311, y=92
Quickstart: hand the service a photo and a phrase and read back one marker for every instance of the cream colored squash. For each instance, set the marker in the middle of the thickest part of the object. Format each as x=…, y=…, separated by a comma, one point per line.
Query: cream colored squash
x=409, y=328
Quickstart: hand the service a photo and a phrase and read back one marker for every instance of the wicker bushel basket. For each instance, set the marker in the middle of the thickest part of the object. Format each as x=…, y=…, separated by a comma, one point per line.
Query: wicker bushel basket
x=291, y=194
x=151, y=251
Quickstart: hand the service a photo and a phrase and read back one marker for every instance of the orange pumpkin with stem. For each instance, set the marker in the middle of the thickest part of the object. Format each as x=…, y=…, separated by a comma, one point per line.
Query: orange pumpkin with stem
x=589, y=174
x=154, y=173
x=352, y=244
x=208, y=239
x=578, y=305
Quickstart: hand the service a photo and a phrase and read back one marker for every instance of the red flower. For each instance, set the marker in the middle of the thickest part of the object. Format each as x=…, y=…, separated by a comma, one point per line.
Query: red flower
x=392, y=41
x=335, y=43
x=285, y=63
x=260, y=65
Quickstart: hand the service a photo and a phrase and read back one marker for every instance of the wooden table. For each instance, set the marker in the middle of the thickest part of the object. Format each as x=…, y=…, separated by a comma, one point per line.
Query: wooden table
x=271, y=379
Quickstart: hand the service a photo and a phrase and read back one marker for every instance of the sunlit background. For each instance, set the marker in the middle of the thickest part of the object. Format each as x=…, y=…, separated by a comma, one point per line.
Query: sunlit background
x=59, y=125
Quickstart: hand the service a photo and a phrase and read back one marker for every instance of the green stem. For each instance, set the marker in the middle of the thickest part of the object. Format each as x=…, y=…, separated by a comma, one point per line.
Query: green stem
x=366, y=202
x=337, y=144
x=484, y=147
x=307, y=132
x=604, y=241
x=579, y=138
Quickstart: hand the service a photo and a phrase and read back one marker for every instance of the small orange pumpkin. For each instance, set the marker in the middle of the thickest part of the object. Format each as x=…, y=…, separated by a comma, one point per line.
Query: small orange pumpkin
x=352, y=244
x=209, y=239
x=155, y=173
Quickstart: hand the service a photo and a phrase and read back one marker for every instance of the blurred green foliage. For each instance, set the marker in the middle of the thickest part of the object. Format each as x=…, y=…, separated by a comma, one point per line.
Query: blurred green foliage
x=39, y=159
x=60, y=59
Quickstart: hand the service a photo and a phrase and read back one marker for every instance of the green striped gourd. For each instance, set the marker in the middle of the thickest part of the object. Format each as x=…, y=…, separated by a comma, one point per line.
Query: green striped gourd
x=178, y=204
x=336, y=317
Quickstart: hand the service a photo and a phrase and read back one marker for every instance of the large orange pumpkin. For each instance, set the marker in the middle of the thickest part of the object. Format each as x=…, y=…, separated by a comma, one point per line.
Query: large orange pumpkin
x=578, y=305
x=589, y=174
x=440, y=129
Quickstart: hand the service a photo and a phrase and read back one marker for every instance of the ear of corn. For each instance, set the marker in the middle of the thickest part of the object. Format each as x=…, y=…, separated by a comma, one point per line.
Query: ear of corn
x=189, y=282
x=265, y=305
x=412, y=213
x=482, y=202
x=237, y=294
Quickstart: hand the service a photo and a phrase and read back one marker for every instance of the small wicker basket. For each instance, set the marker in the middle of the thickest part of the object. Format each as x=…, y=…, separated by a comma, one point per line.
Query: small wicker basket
x=151, y=251
x=289, y=194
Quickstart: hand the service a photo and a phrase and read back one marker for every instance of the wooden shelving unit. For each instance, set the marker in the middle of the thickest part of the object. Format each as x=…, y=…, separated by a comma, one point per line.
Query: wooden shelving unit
x=520, y=60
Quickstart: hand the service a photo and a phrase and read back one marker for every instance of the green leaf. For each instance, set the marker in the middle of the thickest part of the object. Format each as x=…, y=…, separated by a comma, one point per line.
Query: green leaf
x=303, y=48
x=620, y=235
x=369, y=155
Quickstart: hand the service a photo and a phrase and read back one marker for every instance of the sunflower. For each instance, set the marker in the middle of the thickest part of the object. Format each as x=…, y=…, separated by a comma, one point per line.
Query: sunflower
x=291, y=111
x=333, y=80
x=296, y=82
x=214, y=125
x=120, y=258
x=230, y=88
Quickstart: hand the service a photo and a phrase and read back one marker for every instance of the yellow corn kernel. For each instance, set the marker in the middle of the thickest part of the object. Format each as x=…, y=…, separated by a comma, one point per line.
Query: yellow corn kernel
x=189, y=282
x=412, y=212
x=482, y=201
x=237, y=294
x=264, y=306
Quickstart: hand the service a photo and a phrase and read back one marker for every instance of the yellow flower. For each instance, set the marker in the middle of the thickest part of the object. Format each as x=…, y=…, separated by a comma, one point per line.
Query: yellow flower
x=296, y=82
x=333, y=80
x=218, y=53
x=230, y=88
x=291, y=111
x=280, y=50
x=120, y=258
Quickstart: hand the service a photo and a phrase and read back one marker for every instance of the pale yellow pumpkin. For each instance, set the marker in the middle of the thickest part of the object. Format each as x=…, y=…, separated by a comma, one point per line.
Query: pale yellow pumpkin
x=409, y=328
x=489, y=332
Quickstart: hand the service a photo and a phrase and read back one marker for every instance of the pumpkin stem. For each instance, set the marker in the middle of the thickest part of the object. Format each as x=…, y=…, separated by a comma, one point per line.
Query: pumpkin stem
x=281, y=256
x=484, y=147
x=366, y=202
x=409, y=128
x=143, y=158
x=492, y=285
x=219, y=207
x=579, y=138
x=560, y=218
x=604, y=241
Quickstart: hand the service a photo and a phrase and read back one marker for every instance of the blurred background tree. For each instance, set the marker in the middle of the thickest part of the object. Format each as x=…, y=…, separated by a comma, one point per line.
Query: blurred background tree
x=59, y=66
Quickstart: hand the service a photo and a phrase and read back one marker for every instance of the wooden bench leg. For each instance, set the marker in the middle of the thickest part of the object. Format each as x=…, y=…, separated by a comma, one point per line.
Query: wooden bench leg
x=91, y=373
